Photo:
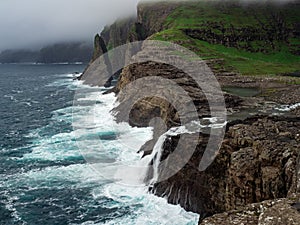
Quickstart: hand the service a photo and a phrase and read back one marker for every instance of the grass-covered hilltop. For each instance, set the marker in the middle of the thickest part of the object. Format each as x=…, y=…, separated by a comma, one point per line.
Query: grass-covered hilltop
x=253, y=48
x=251, y=39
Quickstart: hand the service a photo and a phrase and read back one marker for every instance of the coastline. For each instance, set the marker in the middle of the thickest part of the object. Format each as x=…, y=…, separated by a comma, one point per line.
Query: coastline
x=259, y=125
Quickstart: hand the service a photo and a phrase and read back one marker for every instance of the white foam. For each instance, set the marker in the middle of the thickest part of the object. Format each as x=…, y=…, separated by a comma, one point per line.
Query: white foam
x=287, y=108
x=90, y=122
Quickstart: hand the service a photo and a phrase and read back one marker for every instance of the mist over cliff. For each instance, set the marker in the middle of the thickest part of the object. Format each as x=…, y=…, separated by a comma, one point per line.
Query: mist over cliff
x=34, y=23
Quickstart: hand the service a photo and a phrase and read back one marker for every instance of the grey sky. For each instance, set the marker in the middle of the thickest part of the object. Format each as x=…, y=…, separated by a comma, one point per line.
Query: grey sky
x=33, y=23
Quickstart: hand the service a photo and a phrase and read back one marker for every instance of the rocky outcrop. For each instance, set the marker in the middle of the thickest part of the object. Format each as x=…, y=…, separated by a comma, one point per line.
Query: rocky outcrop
x=99, y=47
x=257, y=162
x=98, y=66
x=287, y=96
x=272, y=212
x=150, y=107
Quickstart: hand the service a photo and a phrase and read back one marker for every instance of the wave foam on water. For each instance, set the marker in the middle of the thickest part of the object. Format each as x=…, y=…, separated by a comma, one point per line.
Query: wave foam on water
x=108, y=148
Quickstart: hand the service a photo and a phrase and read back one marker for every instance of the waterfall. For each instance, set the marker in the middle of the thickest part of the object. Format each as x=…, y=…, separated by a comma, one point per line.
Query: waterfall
x=189, y=128
x=156, y=156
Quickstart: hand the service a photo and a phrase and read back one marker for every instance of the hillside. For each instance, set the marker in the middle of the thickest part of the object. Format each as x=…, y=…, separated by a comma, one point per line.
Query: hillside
x=252, y=39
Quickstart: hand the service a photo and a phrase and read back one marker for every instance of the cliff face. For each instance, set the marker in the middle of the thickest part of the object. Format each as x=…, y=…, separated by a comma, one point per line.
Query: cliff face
x=118, y=33
x=152, y=16
x=259, y=157
x=257, y=161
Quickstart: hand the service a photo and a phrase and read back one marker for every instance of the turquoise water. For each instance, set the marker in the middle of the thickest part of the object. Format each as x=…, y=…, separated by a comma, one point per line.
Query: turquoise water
x=47, y=145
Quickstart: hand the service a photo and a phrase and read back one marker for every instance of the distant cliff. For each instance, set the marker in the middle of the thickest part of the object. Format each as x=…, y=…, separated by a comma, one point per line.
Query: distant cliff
x=65, y=52
x=18, y=56
x=57, y=53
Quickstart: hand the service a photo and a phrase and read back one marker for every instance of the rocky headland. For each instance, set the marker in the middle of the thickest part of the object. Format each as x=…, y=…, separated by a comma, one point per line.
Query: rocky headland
x=255, y=177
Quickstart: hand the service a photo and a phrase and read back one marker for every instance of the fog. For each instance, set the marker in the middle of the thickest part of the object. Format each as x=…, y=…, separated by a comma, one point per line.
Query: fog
x=35, y=23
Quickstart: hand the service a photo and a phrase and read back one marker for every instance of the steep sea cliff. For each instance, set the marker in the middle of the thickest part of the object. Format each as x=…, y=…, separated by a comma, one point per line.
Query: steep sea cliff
x=259, y=156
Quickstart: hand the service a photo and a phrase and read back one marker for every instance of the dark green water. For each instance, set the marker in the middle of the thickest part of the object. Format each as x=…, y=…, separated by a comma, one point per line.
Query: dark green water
x=44, y=179
x=242, y=92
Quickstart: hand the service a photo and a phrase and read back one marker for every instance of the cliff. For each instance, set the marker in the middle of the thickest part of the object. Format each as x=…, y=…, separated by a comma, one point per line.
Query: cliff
x=18, y=56
x=65, y=52
x=118, y=33
x=249, y=39
x=57, y=53
x=259, y=156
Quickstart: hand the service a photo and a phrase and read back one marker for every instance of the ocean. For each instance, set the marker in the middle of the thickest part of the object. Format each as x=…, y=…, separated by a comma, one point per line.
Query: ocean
x=48, y=144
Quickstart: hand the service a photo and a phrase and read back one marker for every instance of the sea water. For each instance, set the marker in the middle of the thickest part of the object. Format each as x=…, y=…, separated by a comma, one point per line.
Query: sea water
x=47, y=144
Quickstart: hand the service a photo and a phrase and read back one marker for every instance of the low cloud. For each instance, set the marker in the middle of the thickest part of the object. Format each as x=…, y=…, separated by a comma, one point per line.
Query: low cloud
x=34, y=23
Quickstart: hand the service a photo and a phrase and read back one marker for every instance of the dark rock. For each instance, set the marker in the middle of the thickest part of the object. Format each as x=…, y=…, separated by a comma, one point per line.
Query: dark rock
x=296, y=206
x=274, y=212
x=293, y=74
x=253, y=165
x=144, y=110
x=99, y=71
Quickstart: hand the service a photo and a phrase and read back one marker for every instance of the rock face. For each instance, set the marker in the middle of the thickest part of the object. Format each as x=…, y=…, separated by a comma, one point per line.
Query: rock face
x=272, y=212
x=99, y=47
x=151, y=16
x=257, y=161
x=118, y=33
x=98, y=66
x=144, y=111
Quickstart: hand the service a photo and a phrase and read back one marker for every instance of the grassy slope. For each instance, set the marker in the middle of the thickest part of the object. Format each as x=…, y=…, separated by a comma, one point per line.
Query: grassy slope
x=197, y=14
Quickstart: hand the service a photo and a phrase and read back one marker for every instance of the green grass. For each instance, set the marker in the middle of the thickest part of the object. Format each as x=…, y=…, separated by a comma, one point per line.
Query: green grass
x=278, y=60
x=193, y=14
x=246, y=63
